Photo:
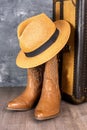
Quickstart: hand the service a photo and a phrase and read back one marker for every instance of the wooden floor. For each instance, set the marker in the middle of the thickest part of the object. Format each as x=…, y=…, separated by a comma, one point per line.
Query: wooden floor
x=71, y=117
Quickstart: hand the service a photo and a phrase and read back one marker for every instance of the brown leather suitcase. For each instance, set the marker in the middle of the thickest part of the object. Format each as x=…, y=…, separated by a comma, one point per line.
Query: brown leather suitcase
x=73, y=58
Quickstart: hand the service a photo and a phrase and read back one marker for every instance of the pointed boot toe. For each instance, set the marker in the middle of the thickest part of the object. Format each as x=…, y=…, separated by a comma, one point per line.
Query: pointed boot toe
x=16, y=106
x=12, y=105
x=44, y=115
x=39, y=114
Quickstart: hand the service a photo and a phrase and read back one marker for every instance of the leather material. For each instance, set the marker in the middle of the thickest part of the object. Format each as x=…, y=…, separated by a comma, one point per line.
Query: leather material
x=68, y=57
x=49, y=103
x=31, y=93
x=74, y=61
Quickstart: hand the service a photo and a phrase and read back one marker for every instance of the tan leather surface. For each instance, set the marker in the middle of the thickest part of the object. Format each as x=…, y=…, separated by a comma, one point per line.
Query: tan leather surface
x=57, y=11
x=68, y=57
x=31, y=93
x=49, y=103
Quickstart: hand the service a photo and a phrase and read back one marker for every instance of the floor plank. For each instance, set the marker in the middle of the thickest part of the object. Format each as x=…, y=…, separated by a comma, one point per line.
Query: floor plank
x=71, y=117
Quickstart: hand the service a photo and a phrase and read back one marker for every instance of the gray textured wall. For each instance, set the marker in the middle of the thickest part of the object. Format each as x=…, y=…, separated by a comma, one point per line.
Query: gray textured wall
x=12, y=12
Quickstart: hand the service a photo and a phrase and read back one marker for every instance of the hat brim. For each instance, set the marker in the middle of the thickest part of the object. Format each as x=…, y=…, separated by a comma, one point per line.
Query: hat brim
x=28, y=62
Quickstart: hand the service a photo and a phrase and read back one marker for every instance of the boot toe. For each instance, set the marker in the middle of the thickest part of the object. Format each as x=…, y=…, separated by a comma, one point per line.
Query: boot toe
x=11, y=105
x=39, y=114
x=45, y=115
x=14, y=105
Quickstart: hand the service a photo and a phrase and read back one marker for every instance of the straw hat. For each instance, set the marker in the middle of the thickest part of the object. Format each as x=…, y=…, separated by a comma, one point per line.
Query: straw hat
x=40, y=39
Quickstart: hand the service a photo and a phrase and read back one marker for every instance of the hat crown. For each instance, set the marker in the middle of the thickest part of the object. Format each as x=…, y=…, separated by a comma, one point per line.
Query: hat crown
x=35, y=32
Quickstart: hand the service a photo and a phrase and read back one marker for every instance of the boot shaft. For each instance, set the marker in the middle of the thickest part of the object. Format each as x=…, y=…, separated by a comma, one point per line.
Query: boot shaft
x=51, y=70
x=35, y=75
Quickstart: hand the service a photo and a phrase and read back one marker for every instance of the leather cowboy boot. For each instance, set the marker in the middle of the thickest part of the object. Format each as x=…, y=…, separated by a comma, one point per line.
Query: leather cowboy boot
x=49, y=103
x=31, y=93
